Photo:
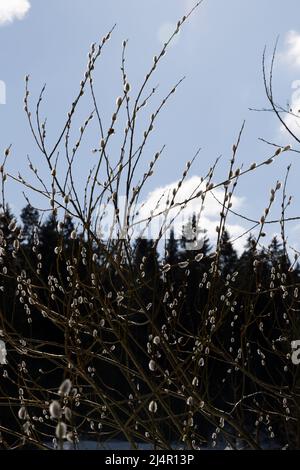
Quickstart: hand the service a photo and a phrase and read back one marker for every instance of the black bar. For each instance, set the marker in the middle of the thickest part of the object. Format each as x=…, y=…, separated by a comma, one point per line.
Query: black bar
x=203, y=460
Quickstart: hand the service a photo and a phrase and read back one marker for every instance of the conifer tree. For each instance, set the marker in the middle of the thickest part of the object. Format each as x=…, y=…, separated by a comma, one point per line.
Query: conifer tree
x=171, y=249
x=228, y=255
x=30, y=220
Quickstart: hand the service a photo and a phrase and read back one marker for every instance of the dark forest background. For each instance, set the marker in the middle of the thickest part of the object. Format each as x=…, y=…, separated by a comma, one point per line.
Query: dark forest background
x=249, y=320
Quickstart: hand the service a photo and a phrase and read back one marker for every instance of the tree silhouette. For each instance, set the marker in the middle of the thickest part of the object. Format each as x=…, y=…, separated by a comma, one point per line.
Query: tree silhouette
x=30, y=219
x=171, y=249
x=228, y=256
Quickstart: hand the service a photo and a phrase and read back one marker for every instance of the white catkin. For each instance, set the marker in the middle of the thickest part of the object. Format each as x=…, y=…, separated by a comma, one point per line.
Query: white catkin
x=22, y=413
x=65, y=387
x=183, y=264
x=61, y=430
x=190, y=401
x=68, y=414
x=195, y=382
x=166, y=268
x=153, y=406
x=152, y=365
x=12, y=226
x=70, y=437
x=55, y=409
x=73, y=235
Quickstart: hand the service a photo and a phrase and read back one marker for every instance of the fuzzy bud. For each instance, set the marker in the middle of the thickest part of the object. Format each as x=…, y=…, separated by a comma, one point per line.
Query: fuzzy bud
x=152, y=365
x=183, y=264
x=190, y=401
x=65, y=387
x=73, y=235
x=195, y=382
x=16, y=245
x=13, y=225
x=68, y=414
x=55, y=410
x=22, y=413
x=153, y=406
x=166, y=268
x=61, y=431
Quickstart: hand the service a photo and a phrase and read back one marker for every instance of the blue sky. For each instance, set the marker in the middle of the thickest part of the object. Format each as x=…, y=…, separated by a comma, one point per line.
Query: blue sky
x=219, y=51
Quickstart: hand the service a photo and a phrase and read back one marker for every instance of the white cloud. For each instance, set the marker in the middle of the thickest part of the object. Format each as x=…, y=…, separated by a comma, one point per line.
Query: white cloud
x=165, y=32
x=292, y=120
x=292, y=53
x=209, y=218
x=291, y=56
x=154, y=207
x=11, y=10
